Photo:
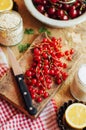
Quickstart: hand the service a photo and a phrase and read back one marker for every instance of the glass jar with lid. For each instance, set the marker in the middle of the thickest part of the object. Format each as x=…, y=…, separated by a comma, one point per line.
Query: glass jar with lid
x=78, y=86
x=11, y=28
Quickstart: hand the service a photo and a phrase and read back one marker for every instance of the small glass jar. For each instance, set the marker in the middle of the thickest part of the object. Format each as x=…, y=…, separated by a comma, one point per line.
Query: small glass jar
x=11, y=28
x=78, y=86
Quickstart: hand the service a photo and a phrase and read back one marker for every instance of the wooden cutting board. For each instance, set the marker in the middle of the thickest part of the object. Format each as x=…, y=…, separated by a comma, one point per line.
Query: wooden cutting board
x=10, y=91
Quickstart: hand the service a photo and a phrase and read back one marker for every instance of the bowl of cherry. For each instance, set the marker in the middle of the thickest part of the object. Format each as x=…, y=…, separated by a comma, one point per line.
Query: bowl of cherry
x=57, y=14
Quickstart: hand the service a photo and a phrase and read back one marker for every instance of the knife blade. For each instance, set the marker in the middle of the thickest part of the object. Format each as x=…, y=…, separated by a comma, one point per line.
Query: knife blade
x=20, y=81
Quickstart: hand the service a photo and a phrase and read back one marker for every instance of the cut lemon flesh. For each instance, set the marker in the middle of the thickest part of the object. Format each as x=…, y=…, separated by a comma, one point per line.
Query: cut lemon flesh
x=75, y=115
x=6, y=5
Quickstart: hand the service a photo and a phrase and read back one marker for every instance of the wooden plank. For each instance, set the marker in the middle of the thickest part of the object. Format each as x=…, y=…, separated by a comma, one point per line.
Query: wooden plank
x=9, y=89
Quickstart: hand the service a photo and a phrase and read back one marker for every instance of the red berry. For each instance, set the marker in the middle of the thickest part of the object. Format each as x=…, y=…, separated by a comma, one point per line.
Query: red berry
x=66, y=6
x=64, y=75
x=37, y=1
x=67, y=52
x=69, y=58
x=47, y=65
x=44, y=55
x=64, y=65
x=34, y=81
x=40, y=92
x=46, y=94
x=33, y=96
x=40, y=8
x=28, y=73
x=36, y=51
x=39, y=99
x=73, y=13
x=54, y=1
x=59, y=81
x=72, y=51
x=60, y=13
x=51, y=10
x=56, y=10
x=52, y=72
x=49, y=86
x=64, y=17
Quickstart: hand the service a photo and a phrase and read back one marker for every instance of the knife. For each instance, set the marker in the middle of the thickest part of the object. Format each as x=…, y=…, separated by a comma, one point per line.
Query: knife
x=20, y=81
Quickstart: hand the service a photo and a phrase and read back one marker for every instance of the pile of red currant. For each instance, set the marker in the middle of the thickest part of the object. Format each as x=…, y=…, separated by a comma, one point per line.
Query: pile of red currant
x=49, y=67
x=55, y=10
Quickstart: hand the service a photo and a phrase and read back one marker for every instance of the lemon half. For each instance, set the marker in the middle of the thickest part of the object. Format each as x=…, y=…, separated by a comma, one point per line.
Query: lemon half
x=75, y=115
x=6, y=5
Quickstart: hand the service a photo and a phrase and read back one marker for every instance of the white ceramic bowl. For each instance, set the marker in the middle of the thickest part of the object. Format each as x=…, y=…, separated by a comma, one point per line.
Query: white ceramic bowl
x=50, y=21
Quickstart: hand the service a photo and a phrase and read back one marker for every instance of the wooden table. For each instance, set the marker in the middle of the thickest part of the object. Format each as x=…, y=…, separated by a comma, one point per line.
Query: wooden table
x=74, y=36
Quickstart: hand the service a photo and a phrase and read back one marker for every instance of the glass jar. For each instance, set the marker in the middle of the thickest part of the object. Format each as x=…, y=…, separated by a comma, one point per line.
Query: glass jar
x=78, y=86
x=11, y=28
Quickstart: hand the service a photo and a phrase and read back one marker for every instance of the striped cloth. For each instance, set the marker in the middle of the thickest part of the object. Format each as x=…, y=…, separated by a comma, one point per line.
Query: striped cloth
x=12, y=119
x=3, y=64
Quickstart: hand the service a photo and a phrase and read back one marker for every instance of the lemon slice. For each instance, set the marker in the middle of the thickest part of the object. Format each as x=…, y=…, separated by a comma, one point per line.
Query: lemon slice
x=75, y=115
x=6, y=5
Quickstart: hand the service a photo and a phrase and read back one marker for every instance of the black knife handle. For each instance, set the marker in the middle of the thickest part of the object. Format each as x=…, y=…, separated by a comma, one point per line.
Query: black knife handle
x=25, y=94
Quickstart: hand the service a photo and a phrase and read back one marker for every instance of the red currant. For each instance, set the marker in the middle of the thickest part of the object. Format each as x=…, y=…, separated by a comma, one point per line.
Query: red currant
x=46, y=94
x=39, y=99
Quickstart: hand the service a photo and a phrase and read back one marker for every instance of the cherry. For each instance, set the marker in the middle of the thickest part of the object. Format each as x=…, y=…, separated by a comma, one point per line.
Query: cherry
x=37, y=1
x=60, y=13
x=79, y=12
x=72, y=7
x=51, y=10
x=77, y=4
x=40, y=8
x=66, y=7
x=64, y=17
x=54, y=1
x=44, y=2
x=60, y=6
x=73, y=13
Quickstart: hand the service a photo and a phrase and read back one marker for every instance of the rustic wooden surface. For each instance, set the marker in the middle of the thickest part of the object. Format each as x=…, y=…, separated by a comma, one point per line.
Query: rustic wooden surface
x=74, y=37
